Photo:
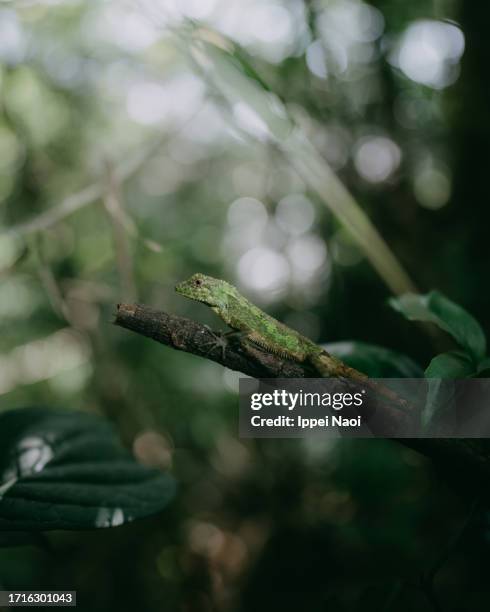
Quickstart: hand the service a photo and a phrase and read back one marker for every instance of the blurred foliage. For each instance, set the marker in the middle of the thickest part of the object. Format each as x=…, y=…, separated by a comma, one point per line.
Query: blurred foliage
x=103, y=116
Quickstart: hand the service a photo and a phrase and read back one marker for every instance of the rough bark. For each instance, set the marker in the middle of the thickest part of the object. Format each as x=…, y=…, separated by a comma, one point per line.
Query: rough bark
x=465, y=462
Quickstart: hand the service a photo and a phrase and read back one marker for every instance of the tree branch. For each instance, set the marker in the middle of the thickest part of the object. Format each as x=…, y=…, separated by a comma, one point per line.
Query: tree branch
x=465, y=463
x=186, y=335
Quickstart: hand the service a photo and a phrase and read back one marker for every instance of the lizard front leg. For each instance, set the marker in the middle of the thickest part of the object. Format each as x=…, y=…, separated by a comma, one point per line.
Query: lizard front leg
x=220, y=340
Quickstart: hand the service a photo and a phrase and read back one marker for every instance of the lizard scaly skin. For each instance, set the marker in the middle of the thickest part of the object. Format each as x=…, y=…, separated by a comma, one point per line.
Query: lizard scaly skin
x=261, y=329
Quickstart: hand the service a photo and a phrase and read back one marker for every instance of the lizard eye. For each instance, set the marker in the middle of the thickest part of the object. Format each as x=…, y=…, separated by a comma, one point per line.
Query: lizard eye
x=198, y=282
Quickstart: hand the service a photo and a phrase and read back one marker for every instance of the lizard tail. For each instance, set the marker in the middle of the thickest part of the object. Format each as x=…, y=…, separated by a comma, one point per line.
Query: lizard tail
x=331, y=367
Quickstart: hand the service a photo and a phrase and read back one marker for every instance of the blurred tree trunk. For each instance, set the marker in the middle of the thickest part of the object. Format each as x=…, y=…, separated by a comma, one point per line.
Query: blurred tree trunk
x=471, y=168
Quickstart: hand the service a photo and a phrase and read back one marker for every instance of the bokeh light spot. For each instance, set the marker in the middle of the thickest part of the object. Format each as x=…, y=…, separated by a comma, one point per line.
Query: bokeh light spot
x=432, y=187
x=428, y=52
x=376, y=158
x=295, y=214
x=262, y=269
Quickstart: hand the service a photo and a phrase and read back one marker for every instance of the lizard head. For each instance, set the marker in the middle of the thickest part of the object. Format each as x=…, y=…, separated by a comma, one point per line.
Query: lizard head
x=206, y=289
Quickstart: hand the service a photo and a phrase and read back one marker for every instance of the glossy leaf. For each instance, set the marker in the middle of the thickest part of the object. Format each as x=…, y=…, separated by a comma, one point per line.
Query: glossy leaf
x=375, y=361
x=440, y=404
x=453, y=364
x=68, y=470
x=452, y=318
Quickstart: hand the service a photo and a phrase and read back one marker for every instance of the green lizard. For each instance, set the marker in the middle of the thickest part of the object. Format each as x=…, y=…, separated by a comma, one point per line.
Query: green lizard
x=260, y=329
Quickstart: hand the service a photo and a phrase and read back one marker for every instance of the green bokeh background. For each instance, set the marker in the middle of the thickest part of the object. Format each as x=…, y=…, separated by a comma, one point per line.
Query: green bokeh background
x=258, y=524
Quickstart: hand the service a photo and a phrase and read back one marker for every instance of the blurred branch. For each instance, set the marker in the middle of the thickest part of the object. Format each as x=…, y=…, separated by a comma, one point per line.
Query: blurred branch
x=48, y=279
x=69, y=205
x=88, y=195
x=24, y=252
x=122, y=224
x=465, y=462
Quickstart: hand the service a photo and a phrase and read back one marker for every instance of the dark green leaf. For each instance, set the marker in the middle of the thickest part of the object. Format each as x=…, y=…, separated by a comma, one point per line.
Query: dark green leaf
x=375, y=361
x=484, y=368
x=62, y=470
x=436, y=308
x=439, y=406
x=454, y=364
